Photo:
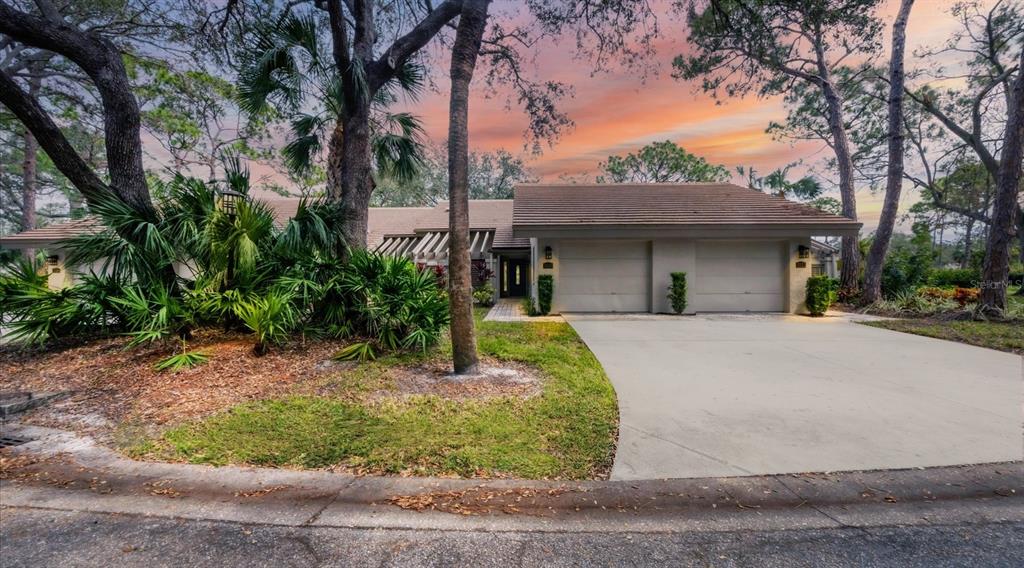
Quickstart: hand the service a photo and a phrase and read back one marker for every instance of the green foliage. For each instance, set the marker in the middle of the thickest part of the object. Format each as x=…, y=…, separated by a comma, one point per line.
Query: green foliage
x=360, y=351
x=908, y=263
x=913, y=303
x=491, y=175
x=248, y=273
x=184, y=360
x=661, y=162
x=545, y=291
x=271, y=317
x=484, y=294
x=287, y=72
x=529, y=307
x=958, y=277
x=821, y=294
x=389, y=300
x=677, y=292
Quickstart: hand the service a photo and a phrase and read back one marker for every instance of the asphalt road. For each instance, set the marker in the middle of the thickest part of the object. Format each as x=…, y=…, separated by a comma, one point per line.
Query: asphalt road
x=34, y=537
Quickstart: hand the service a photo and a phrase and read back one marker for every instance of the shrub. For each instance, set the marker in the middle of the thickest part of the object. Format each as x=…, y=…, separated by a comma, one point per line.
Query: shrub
x=271, y=318
x=955, y=277
x=964, y=296
x=529, y=308
x=913, y=303
x=677, y=292
x=935, y=293
x=484, y=294
x=545, y=291
x=821, y=294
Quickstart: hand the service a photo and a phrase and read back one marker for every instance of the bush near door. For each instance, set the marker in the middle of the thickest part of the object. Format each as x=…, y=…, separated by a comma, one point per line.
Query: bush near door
x=677, y=292
x=545, y=290
x=820, y=295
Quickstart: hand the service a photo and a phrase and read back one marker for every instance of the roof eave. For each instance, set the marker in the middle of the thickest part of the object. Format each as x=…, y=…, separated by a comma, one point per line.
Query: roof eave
x=689, y=230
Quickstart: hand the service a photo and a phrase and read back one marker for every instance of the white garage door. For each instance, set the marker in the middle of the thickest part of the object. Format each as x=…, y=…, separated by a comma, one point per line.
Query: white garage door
x=739, y=276
x=603, y=276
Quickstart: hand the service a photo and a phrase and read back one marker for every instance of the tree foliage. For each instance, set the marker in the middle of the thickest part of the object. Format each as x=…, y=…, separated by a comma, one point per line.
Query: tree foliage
x=661, y=162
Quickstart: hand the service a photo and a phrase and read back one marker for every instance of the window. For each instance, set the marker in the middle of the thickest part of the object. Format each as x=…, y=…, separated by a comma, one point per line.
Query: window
x=817, y=270
x=517, y=275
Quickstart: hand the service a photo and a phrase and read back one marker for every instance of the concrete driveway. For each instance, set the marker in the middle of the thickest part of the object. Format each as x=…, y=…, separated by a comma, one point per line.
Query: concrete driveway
x=747, y=395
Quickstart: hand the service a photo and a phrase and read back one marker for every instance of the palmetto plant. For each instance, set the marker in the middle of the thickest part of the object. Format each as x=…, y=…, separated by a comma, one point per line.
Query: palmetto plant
x=286, y=279
x=286, y=68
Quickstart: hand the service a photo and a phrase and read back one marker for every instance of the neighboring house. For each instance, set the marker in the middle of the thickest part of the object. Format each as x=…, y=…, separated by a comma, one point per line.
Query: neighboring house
x=610, y=248
x=826, y=259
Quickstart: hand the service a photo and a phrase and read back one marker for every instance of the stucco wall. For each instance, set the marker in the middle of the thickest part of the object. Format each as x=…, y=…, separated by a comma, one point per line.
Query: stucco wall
x=796, y=276
x=668, y=256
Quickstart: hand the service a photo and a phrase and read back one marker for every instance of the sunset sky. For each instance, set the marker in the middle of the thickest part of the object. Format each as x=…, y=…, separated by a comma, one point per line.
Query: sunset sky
x=617, y=112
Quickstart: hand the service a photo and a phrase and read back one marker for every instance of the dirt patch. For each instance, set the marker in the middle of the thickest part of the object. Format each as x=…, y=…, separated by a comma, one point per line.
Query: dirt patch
x=493, y=379
x=112, y=385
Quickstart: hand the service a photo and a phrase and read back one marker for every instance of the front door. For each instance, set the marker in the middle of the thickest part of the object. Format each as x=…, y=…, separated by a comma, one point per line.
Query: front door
x=514, y=277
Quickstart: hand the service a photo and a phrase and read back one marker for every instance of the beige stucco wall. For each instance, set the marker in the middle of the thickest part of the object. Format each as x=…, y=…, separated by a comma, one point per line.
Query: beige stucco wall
x=668, y=256
x=679, y=255
x=796, y=276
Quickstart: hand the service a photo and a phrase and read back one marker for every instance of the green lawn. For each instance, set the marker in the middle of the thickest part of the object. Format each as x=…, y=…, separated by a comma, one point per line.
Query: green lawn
x=566, y=432
x=1001, y=336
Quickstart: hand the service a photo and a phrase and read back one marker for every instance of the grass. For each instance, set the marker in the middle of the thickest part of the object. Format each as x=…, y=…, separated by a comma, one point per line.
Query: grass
x=994, y=335
x=566, y=432
x=1003, y=336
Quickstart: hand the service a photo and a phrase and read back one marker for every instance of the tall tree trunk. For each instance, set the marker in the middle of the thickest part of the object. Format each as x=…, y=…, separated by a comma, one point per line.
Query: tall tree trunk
x=995, y=272
x=472, y=21
x=29, y=168
x=356, y=174
x=850, y=273
x=965, y=261
x=894, y=174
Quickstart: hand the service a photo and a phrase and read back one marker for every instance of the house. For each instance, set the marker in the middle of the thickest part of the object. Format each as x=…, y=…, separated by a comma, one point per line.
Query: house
x=609, y=248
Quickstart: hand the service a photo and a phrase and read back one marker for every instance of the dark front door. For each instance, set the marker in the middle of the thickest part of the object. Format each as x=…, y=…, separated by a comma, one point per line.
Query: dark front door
x=514, y=276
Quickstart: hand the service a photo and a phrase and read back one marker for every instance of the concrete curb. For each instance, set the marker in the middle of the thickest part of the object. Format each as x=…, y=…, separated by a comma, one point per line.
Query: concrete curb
x=91, y=478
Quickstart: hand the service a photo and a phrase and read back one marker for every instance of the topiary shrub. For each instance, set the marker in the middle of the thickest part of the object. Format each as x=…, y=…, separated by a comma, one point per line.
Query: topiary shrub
x=545, y=291
x=820, y=295
x=677, y=292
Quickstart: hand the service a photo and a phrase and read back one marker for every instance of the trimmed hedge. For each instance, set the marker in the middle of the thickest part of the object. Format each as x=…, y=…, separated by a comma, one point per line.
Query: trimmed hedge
x=545, y=291
x=677, y=292
x=820, y=295
x=955, y=277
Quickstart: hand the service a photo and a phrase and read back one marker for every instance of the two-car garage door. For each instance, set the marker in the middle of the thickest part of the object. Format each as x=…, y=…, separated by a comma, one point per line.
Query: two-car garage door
x=614, y=276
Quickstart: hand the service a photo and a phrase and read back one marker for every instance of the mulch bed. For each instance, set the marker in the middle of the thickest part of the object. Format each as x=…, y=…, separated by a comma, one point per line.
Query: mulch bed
x=110, y=384
x=116, y=392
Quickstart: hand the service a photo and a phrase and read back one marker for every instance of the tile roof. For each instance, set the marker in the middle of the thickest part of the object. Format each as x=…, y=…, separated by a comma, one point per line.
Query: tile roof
x=53, y=233
x=483, y=214
x=661, y=204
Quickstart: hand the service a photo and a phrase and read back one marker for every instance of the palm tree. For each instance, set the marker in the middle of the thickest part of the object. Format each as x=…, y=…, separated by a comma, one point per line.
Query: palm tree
x=287, y=67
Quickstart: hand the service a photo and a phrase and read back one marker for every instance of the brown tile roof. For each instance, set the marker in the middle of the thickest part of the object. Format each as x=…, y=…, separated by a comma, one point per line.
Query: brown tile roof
x=52, y=233
x=483, y=214
x=661, y=204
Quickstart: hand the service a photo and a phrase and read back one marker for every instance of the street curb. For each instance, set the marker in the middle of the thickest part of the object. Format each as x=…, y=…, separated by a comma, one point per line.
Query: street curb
x=88, y=477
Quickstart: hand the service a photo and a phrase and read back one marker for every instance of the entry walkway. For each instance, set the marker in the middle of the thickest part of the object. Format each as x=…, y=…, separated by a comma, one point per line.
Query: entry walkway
x=511, y=309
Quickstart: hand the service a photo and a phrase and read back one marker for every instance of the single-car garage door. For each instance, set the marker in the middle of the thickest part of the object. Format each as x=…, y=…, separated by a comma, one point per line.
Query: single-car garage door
x=739, y=276
x=603, y=276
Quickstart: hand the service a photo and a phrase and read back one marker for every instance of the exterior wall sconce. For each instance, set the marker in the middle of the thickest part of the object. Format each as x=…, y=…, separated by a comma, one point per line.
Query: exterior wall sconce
x=547, y=253
x=803, y=252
